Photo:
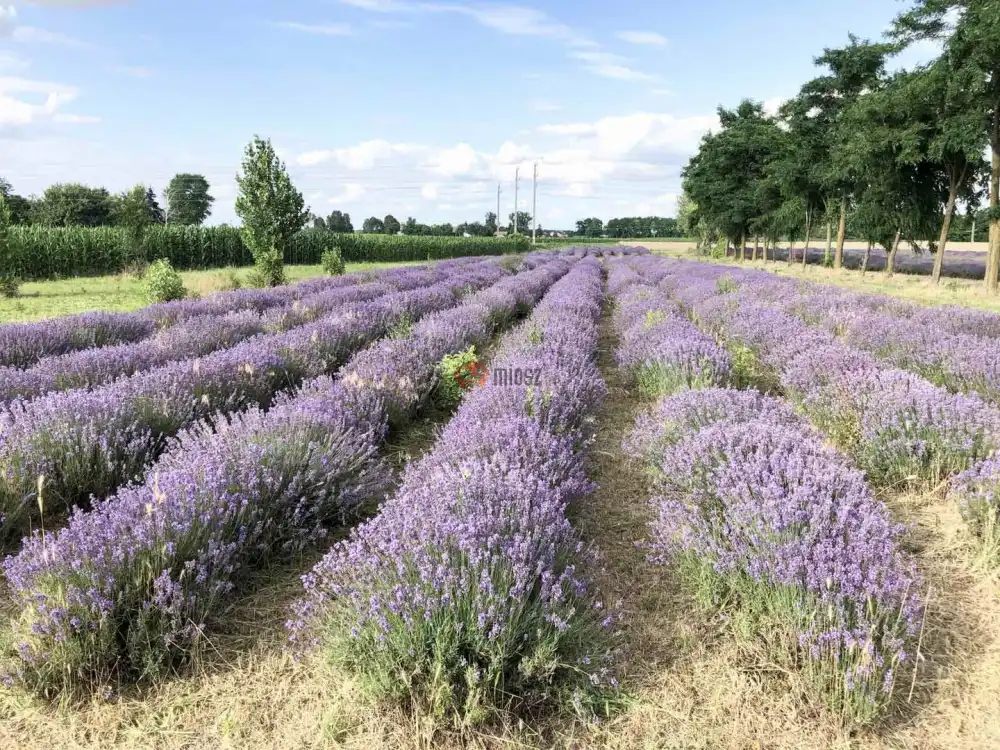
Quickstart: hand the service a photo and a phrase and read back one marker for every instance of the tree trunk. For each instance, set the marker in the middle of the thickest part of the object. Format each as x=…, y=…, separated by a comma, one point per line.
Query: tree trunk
x=864, y=261
x=838, y=258
x=993, y=259
x=791, y=249
x=805, y=247
x=949, y=210
x=743, y=246
x=766, y=241
x=890, y=264
x=756, y=246
x=829, y=242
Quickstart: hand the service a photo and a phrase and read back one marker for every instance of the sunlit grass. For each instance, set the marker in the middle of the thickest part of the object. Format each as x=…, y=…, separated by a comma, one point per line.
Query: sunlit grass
x=47, y=299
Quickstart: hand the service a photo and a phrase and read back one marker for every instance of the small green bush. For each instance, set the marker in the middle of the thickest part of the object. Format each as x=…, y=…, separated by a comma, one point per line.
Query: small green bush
x=163, y=283
x=457, y=373
x=10, y=285
x=333, y=263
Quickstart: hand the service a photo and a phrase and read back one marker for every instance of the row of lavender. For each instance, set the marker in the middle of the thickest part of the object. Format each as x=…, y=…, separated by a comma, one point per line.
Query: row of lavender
x=897, y=426
x=194, y=328
x=127, y=588
x=467, y=594
x=82, y=443
x=951, y=346
x=755, y=510
x=24, y=344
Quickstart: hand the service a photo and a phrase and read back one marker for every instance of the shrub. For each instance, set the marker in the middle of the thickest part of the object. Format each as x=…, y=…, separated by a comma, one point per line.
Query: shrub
x=163, y=283
x=333, y=263
x=457, y=373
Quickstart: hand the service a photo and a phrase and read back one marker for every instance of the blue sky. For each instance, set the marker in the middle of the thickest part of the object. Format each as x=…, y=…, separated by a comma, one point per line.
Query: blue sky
x=401, y=106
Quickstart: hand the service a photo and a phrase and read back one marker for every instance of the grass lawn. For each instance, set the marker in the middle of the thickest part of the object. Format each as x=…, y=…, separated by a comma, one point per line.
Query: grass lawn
x=920, y=289
x=48, y=299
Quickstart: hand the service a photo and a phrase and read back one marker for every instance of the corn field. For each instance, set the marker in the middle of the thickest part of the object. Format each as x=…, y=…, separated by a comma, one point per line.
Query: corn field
x=37, y=253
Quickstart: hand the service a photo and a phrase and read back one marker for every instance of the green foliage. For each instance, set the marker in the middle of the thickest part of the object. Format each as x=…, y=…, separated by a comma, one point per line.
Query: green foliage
x=75, y=205
x=37, y=253
x=523, y=222
x=456, y=375
x=9, y=284
x=333, y=263
x=163, y=283
x=592, y=227
x=649, y=226
x=272, y=210
x=188, y=199
x=373, y=225
x=134, y=217
x=391, y=225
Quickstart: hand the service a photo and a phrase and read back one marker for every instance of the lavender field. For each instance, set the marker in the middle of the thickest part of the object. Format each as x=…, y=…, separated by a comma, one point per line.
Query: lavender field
x=585, y=498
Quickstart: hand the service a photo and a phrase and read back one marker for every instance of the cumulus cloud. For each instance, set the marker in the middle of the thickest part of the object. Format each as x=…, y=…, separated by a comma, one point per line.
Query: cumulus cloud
x=18, y=97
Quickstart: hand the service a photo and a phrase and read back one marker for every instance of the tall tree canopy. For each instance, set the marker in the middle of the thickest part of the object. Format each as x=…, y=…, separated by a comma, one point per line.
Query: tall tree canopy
x=188, y=200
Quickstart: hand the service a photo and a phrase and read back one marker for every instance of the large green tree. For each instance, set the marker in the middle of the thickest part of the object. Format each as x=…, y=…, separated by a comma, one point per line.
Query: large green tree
x=970, y=33
x=724, y=177
x=390, y=224
x=75, y=205
x=134, y=215
x=851, y=72
x=271, y=208
x=373, y=225
x=339, y=222
x=188, y=200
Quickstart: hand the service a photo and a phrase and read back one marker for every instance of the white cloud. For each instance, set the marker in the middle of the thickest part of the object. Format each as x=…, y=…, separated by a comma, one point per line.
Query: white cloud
x=8, y=20
x=429, y=192
x=518, y=20
x=642, y=37
x=459, y=160
x=662, y=92
x=610, y=65
x=772, y=105
x=322, y=29
x=17, y=110
x=11, y=63
x=35, y=35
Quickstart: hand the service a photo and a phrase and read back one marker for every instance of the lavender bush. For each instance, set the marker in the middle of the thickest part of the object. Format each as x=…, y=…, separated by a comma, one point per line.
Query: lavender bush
x=87, y=443
x=466, y=594
x=763, y=516
x=126, y=589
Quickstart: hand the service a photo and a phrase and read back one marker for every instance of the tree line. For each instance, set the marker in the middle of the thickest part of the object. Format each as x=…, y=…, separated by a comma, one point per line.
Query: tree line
x=885, y=157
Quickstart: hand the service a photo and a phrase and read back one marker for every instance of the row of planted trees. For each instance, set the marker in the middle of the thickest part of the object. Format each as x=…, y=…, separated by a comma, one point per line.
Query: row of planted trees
x=891, y=156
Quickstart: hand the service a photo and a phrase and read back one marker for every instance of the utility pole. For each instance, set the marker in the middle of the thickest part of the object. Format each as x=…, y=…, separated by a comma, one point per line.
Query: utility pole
x=517, y=175
x=498, y=209
x=973, y=229
x=534, y=203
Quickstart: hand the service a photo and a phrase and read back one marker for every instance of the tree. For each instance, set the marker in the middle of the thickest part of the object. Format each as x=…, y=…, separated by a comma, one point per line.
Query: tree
x=970, y=32
x=854, y=71
x=373, y=225
x=75, y=205
x=724, y=177
x=319, y=222
x=156, y=214
x=390, y=224
x=441, y=230
x=590, y=227
x=20, y=208
x=8, y=280
x=523, y=222
x=340, y=223
x=188, y=200
x=491, y=224
x=134, y=216
x=271, y=208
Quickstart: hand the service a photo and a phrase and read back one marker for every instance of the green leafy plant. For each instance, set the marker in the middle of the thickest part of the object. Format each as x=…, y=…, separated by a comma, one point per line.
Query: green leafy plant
x=456, y=374
x=9, y=283
x=333, y=263
x=163, y=283
x=272, y=210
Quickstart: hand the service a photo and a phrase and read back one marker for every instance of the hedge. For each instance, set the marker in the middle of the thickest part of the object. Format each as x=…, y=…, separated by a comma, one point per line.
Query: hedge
x=38, y=253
